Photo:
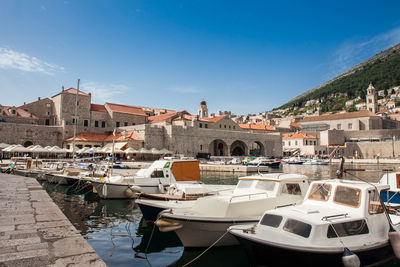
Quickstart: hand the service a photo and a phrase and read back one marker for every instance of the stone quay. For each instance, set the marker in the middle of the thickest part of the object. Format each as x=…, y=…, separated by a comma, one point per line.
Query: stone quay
x=35, y=232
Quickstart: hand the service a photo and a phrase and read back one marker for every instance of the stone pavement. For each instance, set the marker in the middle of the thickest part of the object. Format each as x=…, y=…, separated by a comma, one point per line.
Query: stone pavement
x=34, y=231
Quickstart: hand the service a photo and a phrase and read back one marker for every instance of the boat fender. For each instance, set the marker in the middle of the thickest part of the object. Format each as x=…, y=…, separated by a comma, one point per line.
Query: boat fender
x=349, y=259
x=136, y=188
x=160, y=187
x=104, y=190
x=129, y=193
x=394, y=238
x=167, y=226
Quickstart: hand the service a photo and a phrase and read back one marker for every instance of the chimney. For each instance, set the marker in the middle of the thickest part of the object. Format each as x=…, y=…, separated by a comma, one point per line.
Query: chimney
x=62, y=88
x=38, y=98
x=24, y=103
x=90, y=94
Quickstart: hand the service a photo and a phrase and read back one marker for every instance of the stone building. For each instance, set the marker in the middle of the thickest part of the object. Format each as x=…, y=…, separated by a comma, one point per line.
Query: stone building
x=372, y=104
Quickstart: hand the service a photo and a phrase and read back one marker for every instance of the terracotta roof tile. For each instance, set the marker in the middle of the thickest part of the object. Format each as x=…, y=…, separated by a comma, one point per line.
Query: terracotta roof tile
x=20, y=112
x=215, y=119
x=126, y=109
x=340, y=116
x=173, y=115
x=294, y=124
x=260, y=126
x=298, y=135
x=96, y=107
x=74, y=91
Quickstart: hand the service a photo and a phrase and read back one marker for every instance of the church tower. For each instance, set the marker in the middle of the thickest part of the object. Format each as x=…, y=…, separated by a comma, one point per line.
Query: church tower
x=372, y=104
x=203, y=110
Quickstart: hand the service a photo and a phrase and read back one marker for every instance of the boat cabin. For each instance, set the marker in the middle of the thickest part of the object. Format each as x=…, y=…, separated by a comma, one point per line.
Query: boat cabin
x=255, y=194
x=172, y=169
x=333, y=211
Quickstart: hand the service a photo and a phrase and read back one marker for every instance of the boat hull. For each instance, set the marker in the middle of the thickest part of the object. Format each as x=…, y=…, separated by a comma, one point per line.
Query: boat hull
x=200, y=234
x=260, y=254
x=149, y=212
x=119, y=190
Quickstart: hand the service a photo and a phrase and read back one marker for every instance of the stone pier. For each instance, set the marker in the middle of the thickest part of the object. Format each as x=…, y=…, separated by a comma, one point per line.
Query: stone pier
x=34, y=231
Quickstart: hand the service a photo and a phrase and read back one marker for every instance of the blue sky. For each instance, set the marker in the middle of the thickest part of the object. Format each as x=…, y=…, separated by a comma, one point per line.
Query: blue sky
x=243, y=56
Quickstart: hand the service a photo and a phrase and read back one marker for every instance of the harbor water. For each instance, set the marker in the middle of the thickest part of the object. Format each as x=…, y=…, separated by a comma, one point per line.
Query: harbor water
x=115, y=229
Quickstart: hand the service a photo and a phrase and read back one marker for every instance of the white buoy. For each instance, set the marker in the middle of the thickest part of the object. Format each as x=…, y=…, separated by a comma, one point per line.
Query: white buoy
x=349, y=259
x=394, y=238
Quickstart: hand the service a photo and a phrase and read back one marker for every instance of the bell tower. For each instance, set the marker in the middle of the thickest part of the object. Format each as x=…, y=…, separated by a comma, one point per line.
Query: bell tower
x=203, y=110
x=372, y=104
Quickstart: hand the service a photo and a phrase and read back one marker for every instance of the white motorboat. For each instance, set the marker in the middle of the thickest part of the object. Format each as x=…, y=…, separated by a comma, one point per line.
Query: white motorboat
x=177, y=196
x=316, y=161
x=337, y=216
x=154, y=179
x=392, y=195
x=210, y=217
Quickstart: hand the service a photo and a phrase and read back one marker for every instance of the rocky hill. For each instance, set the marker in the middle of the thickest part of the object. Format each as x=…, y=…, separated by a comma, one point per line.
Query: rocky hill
x=383, y=70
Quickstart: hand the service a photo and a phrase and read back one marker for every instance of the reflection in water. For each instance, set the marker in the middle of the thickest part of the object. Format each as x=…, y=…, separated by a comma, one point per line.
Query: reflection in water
x=115, y=229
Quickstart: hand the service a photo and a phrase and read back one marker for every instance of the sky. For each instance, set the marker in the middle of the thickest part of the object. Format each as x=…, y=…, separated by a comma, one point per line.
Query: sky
x=241, y=56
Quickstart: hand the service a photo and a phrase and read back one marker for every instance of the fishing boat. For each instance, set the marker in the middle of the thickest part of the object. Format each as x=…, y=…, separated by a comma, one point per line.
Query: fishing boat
x=316, y=161
x=262, y=161
x=209, y=217
x=154, y=179
x=339, y=221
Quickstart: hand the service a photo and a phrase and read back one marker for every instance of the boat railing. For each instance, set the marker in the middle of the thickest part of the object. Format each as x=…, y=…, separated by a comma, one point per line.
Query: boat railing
x=326, y=218
x=249, y=195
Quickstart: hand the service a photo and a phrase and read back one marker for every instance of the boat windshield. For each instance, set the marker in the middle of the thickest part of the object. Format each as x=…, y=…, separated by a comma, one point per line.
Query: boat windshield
x=297, y=227
x=347, y=196
x=266, y=185
x=244, y=184
x=157, y=174
x=320, y=192
x=271, y=220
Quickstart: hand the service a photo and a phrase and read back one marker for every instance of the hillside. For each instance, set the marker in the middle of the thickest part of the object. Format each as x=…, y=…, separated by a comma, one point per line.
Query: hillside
x=383, y=70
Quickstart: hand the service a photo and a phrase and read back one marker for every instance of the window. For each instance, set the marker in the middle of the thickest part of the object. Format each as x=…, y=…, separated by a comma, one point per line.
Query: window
x=266, y=185
x=205, y=125
x=358, y=227
x=125, y=123
x=117, y=124
x=201, y=147
x=320, y=192
x=103, y=124
x=291, y=189
x=295, y=143
x=271, y=220
x=339, y=126
x=306, y=142
x=96, y=124
x=370, y=100
x=315, y=143
x=48, y=113
x=157, y=174
x=350, y=126
x=234, y=127
x=220, y=126
x=289, y=143
x=244, y=184
x=48, y=105
x=28, y=133
x=348, y=196
x=86, y=123
x=283, y=143
x=133, y=123
x=374, y=206
x=200, y=125
x=13, y=111
x=297, y=227
x=74, y=121
x=47, y=122
x=229, y=126
x=225, y=126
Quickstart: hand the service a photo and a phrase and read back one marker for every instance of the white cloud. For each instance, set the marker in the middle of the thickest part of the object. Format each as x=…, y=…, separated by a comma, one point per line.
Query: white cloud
x=351, y=53
x=10, y=59
x=185, y=89
x=102, y=92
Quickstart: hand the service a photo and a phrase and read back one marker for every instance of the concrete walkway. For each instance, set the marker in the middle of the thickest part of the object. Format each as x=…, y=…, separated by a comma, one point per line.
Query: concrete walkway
x=34, y=231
